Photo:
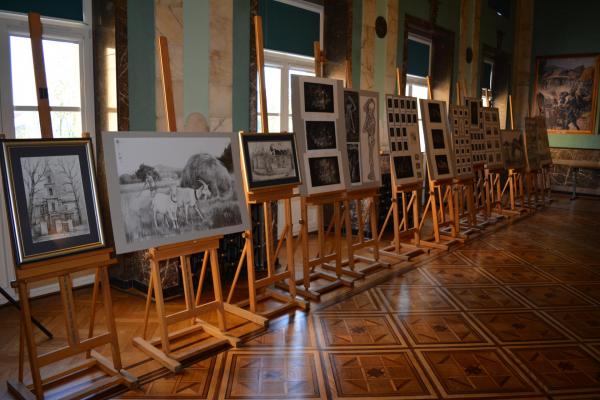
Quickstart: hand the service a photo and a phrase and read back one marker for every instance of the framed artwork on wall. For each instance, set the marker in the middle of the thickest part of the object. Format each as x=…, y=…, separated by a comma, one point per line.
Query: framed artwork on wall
x=361, y=115
x=319, y=121
x=440, y=159
x=270, y=160
x=50, y=188
x=566, y=91
x=166, y=188
x=406, y=164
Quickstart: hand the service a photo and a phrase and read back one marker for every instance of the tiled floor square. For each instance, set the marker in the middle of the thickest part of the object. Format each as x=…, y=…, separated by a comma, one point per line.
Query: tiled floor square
x=367, y=330
x=541, y=257
x=452, y=259
x=484, y=298
x=287, y=331
x=573, y=273
x=447, y=329
x=489, y=257
x=521, y=326
x=458, y=276
x=362, y=302
x=415, y=277
x=550, y=296
x=475, y=373
x=415, y=299
x=370, y=375
x=561, y=368
x=265, y=375
x=518, y=274
x=589, y=289
x=194, y=382
x=584, y=322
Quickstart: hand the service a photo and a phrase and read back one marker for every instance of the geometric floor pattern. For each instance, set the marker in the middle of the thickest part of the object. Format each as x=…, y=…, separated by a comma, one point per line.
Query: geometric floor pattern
x=512, y=315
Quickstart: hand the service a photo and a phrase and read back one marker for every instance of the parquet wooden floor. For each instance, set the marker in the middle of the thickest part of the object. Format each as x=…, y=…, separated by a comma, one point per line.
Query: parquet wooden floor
x=515, y=314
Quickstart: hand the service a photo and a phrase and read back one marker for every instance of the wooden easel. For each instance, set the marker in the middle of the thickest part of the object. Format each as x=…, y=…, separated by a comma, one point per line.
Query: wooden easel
x=162, y=348
x=267, y=198
x=407, y=237
x=323, y=258
x=353, y=265
x=61, y=268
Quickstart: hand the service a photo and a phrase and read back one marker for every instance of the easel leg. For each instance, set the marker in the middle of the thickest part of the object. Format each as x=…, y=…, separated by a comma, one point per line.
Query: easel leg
x=434, y=215
x=349, y=238
x=305, y=253
x=29, y=339
x=216, y=278
x=160, y=308
x=374, y=231
x=415, y=208
x=338, y=238
x=148, y=303
x=289, y=243
x=93, y=311
x=110, y=317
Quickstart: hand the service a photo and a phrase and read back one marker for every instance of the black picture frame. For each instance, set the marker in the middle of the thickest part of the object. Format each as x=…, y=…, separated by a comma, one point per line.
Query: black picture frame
x=53, y=209
x=252, y=183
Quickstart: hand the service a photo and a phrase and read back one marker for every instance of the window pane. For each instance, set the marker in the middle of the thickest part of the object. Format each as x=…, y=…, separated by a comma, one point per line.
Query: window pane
x=27, y=125
x=66, y=124
x=273, y=89
x=290, y=125
x=62, y=72
x=274, y=123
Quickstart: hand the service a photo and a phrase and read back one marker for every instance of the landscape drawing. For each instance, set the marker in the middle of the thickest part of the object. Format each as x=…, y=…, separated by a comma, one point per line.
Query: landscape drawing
x=318, y=97
x=513, y=151
x=324, y=171
x=270, y=160
x=320, y=135
x=180, y=187
x=565, y=92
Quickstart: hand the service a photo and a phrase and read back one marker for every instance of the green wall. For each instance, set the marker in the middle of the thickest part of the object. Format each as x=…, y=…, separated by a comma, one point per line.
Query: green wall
x=141, y=68
x=241, y=65
x=567, y=28
x=67, y=9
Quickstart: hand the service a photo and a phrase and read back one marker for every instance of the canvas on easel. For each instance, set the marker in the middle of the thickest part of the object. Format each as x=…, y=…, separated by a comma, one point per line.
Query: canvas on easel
x=491, y=128
x=361, y=114
x=544, y=142
x=436, y=133
x=461, y=141
x=513, y=149
x=532, y=152
x=320, y=134
x=403, y=133
x=475, y=118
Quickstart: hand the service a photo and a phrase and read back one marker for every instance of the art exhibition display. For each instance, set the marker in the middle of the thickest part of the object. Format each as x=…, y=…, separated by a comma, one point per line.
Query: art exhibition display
x=165, y=188
x=491, y=128
x=270, y=160
x=513, y=149
x=532, y=146
x=436, y=133
x=403, y=132
x=361, y=115
x=475, y=118
x=50, y=190
x=461, y=141
x=321, y=134
x=566, y=92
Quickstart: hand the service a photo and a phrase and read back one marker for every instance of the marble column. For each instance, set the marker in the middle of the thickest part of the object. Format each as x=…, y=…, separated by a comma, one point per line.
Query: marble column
x=367, y=45
x=220, y=84
x=470, y=21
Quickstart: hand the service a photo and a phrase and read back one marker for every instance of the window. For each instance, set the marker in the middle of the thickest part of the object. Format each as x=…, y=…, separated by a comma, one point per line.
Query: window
x=486, y=82
x=418, y=68
x=279, y=67
x=68, y=64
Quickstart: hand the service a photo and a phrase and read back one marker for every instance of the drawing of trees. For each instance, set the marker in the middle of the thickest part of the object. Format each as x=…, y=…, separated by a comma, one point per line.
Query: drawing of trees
x=69, y=169
x=34, y=170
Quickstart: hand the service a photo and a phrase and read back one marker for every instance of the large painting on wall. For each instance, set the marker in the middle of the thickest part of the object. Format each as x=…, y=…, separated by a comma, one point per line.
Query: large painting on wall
x=167, y=188
x=565, y=92
x=51, y=196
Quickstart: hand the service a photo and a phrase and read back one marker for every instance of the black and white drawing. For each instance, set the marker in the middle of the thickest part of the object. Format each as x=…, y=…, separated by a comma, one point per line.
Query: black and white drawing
x=320, y=135
x=354, y=162
x=55, y=201
x=435, y=115
x=51, y=194
x=324, y=171
x=166, y=188
x=270, y=160
x=318, y=97
x=440, y=157
x=369, y=137
x=351, y=116
x=461, y=141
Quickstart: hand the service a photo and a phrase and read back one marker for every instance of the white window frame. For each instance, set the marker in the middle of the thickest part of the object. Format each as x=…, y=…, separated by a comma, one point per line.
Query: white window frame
x=54, y=29
x=286, y=62
x=490, y=91
x=14, y=24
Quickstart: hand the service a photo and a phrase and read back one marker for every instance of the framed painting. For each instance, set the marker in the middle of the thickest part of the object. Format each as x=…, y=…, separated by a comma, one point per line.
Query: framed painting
x=513, y=149
x=566, y=92
x=361, y=111
x=320, y=128
x=166, y=188
x=436, y=133
x=403, y=135
x=52, y=201
x=270, y=160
